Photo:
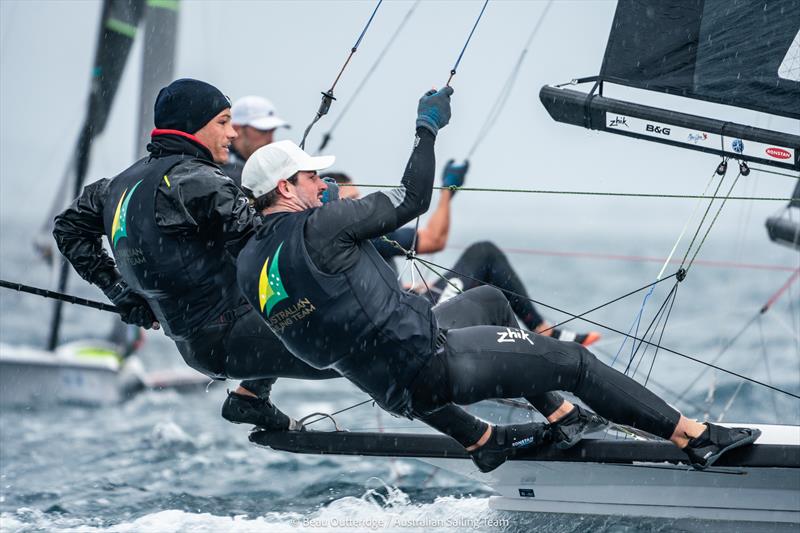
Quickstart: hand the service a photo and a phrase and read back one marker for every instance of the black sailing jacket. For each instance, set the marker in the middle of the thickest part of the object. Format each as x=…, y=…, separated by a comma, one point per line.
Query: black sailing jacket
x=174, y=223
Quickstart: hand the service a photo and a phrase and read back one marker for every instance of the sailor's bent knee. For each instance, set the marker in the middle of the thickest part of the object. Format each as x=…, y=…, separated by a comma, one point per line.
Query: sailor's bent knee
x=482, y=249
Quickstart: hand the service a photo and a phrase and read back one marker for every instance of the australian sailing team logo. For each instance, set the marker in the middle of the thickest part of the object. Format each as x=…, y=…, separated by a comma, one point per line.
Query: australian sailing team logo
x=270, y=286
x=119, y=228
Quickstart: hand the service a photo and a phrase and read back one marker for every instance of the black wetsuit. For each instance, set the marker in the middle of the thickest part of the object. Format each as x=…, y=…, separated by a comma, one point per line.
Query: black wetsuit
x=482, y=262
x=329, y=296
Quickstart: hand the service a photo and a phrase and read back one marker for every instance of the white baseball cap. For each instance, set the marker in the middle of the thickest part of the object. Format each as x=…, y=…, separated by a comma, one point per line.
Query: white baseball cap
x=256, y=112
x=278, y=161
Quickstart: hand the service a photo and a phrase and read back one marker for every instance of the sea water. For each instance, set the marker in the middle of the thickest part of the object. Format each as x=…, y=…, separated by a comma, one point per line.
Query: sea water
x=164, y=461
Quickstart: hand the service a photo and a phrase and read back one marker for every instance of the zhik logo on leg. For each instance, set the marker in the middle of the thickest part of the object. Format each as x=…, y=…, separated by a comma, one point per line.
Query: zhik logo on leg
x=511, y=335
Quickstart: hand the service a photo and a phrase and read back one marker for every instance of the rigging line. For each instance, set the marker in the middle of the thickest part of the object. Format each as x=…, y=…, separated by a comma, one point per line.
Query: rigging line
x=713, y=221
x=505, y=91
x=703, y=219
x=407, y=253
x=759, y=169
x=736, y=392
x=582, y=193
x=327, y=136
x=327, y=96
x=661, y=337
x=571, y=315
x=657, y=321
x=772, y=299
x=339, y=412
x=615, y=330
x=719, y=355
x=58, y=296
x=458, y=61
x=653, y=322
x=427, y=288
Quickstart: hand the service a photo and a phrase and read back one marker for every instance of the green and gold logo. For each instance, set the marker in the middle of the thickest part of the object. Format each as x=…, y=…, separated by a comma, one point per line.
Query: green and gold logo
x=119, y=228
x=270, y=286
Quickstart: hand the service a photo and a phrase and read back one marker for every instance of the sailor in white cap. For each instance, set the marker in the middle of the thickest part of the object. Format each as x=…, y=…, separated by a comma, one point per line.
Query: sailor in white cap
x=255, y=119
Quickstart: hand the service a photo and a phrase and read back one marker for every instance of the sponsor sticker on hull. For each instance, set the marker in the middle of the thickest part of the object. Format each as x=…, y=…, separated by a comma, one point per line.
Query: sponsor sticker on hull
x=692, y=138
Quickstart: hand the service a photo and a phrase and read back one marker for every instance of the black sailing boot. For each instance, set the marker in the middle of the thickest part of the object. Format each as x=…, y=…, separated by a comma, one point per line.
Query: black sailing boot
x=703, y=451
x=570, y=429
x=260, y=412
x=505, y=440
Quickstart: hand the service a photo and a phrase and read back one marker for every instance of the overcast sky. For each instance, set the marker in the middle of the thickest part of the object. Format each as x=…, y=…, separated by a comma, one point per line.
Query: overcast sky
x=291, y=51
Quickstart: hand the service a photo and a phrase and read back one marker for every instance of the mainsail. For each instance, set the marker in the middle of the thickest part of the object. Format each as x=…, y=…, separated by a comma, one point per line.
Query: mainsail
x=736, y=52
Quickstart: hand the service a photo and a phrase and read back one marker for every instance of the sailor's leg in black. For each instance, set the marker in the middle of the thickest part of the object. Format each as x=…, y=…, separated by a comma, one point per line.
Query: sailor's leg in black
x=486, y=262
x=252, y=351
x=486, y=306
x=489, y=362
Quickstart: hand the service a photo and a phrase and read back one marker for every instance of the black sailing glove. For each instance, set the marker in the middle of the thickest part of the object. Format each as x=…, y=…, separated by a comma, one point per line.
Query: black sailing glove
x=433, y=111
x=133, y=309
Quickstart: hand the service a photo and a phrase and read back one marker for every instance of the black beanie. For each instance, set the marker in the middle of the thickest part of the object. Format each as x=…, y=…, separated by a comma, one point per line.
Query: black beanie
x=187, y=105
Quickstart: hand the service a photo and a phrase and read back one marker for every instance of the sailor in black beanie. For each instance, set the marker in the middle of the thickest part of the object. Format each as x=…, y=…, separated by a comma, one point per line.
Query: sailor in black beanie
x=174, y=223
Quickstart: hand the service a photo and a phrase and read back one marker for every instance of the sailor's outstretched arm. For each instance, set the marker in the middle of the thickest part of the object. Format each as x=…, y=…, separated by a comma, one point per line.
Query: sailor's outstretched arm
x=78, y=232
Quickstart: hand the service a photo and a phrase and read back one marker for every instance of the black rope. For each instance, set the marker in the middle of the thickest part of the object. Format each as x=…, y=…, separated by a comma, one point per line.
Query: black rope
x=718, y=356
x=573, y=316
x=581, y=193
x=505, y=91
x=338, y=412
x=766, y=171
x=327, y=96
x=628, y=335
x=661, y=336
x=654, y=322
x=464, y=49
x=58, y=296
x=329, y=134
x=711, y=224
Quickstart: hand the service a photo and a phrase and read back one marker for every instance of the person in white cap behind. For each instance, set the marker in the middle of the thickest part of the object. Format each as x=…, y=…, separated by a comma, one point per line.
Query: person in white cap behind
x=255, y=120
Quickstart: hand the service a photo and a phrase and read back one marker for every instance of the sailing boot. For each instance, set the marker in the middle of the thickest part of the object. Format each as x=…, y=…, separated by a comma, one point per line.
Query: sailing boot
x=260, y=412
x=703, y=451
x=584, y=339
x=571, y=428
x=504, y=442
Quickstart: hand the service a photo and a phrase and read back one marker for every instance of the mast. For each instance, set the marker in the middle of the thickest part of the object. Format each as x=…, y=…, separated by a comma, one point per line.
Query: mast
x=158, y=62
x=117, y=30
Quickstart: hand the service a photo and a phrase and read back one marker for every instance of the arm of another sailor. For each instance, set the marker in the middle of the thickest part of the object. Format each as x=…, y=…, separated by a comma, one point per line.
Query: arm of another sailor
x=78, y=232
x=332, y=230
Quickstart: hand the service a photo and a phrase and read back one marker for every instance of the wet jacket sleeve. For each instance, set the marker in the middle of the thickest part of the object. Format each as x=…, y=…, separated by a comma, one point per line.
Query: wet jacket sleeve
x=79, y=231
x=201, y=201
x=333, y=231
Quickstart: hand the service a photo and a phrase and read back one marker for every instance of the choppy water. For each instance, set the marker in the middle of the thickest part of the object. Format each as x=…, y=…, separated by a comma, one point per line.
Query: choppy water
x=168, y=462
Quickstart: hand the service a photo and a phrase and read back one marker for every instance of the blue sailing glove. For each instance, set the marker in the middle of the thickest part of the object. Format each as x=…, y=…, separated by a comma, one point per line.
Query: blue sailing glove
x=454, y=175
x=433, y=111
x=331, y=194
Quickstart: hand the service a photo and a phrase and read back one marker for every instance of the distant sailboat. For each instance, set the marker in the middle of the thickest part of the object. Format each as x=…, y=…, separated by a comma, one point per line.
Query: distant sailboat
x=96, y=371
